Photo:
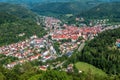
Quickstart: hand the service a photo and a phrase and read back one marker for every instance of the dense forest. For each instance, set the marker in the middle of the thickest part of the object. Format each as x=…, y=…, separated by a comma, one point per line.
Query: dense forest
x=9, y=32
x=58, y=8
x=16, y=20
x=16, y=10
x=102, y=11
x=103, y=53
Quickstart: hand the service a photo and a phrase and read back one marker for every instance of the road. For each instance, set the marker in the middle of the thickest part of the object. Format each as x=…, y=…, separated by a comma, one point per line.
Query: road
x=59, y=64
x=81, y=47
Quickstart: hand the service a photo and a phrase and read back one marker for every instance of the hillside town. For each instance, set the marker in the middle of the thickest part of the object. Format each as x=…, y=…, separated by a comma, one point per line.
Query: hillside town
x=68, y=37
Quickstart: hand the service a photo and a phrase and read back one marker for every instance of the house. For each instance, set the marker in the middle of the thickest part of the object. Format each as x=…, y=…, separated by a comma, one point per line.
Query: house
x=70, y=68
x=45, y=53
x=11, y=65
x=43, y=68
x=34, y=57
x=118, y=43
x=22, y=61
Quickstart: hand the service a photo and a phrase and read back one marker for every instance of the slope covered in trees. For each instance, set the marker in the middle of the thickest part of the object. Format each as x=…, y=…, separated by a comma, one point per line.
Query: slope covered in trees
x=102, y=52
x=106, y=10
x=15, y=20
x=48, y=1
x=16, y=10
x=63, y=7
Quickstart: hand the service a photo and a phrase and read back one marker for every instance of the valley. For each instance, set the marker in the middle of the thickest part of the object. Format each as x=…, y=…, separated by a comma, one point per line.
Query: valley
x=68, y=40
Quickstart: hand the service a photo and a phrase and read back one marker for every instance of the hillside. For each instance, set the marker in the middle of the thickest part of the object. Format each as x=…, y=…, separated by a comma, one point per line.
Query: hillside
x=5, y=17
x=16, y=10
x=48, y=1
x=15, y=20
x=85, y=67
x=42, y=1
x=102, y=52
x=58, y=8
x=106, y=10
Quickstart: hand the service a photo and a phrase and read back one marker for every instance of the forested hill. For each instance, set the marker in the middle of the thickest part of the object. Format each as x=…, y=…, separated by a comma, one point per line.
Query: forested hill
x=16, y=10
x=16, y=20
x=63, y=7
x=5, y=17
x=102, y=52
x=48, y=1
x=106, y=10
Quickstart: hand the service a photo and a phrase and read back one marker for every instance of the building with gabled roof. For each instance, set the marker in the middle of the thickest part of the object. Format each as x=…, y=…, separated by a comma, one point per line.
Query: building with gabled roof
x=118, y=43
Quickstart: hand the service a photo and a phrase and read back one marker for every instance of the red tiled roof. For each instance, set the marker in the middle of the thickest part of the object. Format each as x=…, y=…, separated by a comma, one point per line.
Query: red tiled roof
x=118, y=40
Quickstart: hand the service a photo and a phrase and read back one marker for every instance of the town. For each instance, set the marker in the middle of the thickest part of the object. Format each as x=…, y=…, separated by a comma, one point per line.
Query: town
x=68, y=37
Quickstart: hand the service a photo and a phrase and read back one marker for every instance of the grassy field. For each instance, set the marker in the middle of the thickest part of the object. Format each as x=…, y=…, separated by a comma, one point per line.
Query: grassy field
x=82, y=66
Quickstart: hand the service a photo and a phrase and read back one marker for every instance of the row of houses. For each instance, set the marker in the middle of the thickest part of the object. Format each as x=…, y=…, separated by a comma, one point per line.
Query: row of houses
x=68, y=46
x=11, y=65
x=52, y=23
x=29, y=50
x=73, y=33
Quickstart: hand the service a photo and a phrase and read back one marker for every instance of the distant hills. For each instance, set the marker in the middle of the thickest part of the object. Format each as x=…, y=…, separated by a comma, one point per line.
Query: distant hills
x=13, y=12
x=105, y=10
x=55, y=7
x=48, y=1
x=68, y=7
x=63, y=7
x=17, y=10
x=58, y=7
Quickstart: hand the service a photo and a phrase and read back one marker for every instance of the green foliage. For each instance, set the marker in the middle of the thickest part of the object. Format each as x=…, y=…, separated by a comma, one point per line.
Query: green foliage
x=26, y=75
x=16, y=10
x=106, y=10
x=65, y=40
x=27, y=72
x=102, y=53
x=9, y=32
x=35, y=74
x=86, y=67
x=2, y=77
x=5, y=17
x=58, y=8
x=56, y=45
x=6, y=59
x=15, y=20
x=54, y=75
x=36, y=77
